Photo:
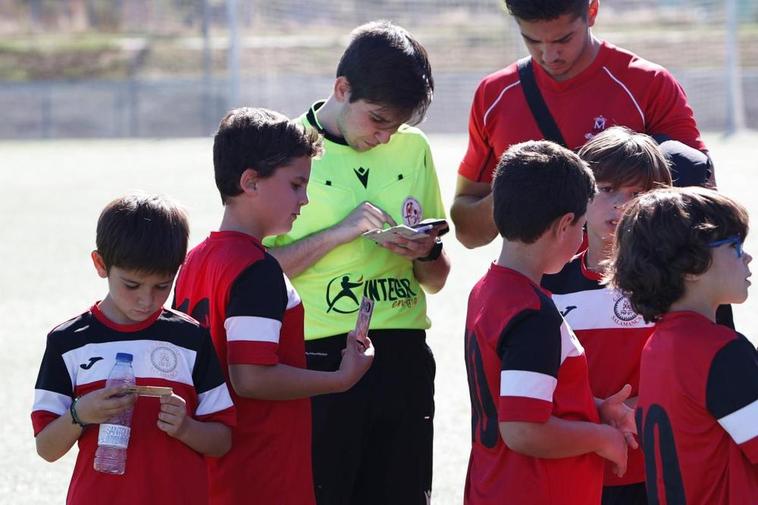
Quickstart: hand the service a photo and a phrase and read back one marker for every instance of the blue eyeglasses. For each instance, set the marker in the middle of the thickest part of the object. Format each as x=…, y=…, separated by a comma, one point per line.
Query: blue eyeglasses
x=735, y=240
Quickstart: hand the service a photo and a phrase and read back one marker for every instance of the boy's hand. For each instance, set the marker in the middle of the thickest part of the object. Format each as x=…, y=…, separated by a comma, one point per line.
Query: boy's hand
x=614, y=412
x=172, y=417
x=356, y=360
x=614, y=448
x=412, y=248
x=363, y=218
x=97, y=407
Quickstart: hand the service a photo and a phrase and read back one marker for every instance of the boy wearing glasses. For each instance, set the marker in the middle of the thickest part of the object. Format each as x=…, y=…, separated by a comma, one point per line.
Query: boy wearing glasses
x=678, y=256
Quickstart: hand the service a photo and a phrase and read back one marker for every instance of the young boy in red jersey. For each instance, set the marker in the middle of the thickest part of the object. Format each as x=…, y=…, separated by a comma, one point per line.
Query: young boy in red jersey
x=624, y=164
x=141, y=241
x=537, y=436
x=230, y=283
x=678, y=256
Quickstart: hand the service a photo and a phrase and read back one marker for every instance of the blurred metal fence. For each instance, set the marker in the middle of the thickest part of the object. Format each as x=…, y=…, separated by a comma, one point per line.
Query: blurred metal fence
x=185, y=70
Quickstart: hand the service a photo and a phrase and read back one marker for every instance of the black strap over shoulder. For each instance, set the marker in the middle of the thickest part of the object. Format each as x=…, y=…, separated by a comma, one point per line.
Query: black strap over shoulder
x=537, y=104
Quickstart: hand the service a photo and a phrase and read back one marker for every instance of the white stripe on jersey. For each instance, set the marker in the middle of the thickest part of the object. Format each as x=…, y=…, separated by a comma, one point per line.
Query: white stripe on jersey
x=51, y=402
x=527, y=384
x=252, y=329
x=214, y=400
x=598, y=309
x=631, y=96
x=151, y=359
x=293, y=298
x=570, y=346
x=742, y=424
x=487, y=113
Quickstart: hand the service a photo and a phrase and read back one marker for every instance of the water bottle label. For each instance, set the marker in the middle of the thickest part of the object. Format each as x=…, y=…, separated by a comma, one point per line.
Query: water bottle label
x=114, y=435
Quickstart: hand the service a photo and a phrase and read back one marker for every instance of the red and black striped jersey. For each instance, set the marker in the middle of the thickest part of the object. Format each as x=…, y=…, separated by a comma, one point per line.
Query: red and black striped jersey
x=524, y=364
x=168, y=349
x=698, y=413
x=232, y=285
x=612, y=335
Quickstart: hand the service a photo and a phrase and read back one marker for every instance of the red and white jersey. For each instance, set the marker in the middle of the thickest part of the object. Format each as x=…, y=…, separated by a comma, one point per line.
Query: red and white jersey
x=617, y=89
x=698, y=413
x=231, y=284
x=168, y=349
x=612, y=335
x=524, y=364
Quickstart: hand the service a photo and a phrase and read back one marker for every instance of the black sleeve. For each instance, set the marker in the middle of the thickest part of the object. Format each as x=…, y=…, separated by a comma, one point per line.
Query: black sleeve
x=207, y=373
x=53, y=374
x=259, y=291
x=532, y=342
x=733, y=379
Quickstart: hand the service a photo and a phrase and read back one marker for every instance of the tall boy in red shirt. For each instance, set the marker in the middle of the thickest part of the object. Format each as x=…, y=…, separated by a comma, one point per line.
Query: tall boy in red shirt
x=230, y=283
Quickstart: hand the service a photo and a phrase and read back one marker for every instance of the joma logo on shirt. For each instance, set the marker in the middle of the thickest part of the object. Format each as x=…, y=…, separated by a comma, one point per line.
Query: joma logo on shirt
x=92, y=361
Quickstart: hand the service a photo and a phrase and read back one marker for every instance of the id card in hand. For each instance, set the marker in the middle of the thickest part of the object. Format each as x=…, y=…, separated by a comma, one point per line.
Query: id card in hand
x=364, y=319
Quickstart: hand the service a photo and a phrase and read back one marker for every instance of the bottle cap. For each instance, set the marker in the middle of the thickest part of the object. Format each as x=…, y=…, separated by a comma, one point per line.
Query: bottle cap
x=124, y=356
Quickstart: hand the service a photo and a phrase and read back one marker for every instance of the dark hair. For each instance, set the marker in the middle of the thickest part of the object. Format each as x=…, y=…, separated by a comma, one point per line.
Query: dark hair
x=546, y=10
x=260, y=139
x=622, y=157
x=663, y=235
x=146, y=233
x=535, y=183
x=386, y=66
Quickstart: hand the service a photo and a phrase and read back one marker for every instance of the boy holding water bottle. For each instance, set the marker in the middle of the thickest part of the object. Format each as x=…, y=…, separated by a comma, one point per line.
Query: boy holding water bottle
x=141, y=242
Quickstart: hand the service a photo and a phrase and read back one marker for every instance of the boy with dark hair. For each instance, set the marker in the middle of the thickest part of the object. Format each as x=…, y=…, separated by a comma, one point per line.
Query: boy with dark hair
x=373, y=444
x=624, y=164
x=141, y=241
x=230, y=283
x=584, y=85
x=400, y=79
x=536, y=432
x=678, y=257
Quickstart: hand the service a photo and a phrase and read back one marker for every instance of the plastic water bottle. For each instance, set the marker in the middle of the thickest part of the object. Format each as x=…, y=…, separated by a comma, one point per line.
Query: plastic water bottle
x=113, y=437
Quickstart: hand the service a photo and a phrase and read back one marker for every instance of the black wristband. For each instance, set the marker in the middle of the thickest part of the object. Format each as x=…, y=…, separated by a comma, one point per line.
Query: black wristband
x=74, y=416
x=434, y=252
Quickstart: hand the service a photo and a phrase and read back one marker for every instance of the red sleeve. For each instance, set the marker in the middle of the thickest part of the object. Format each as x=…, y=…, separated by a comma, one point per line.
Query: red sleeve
x=480, y=160
x=40, y=420
x=252, y=353
x=227, y=416
x=669, y=113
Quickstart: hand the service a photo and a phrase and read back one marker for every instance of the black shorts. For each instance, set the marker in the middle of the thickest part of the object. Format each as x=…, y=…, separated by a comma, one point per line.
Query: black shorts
x=372, y=445
x=631, y=494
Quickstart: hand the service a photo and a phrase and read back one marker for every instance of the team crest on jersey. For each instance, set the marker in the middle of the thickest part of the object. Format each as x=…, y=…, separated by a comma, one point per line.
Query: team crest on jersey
x=598, y=126
x=411, y=211
x=164, y=359
x=623, y=313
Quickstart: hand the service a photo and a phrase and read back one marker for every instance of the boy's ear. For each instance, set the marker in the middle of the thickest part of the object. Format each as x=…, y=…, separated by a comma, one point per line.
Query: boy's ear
x=342, y=89
x=100, y=267
x=249, y=181
x=592, y=12
x=562, y=224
